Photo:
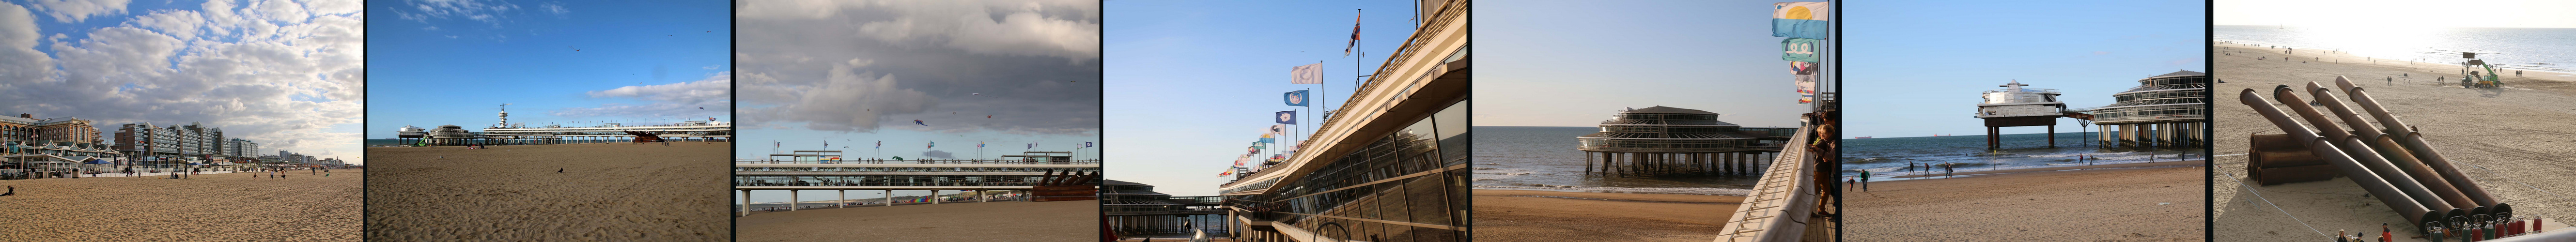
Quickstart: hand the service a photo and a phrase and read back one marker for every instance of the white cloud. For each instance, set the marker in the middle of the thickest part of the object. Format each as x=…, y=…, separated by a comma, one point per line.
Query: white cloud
x=289, y=77
x=709, y=97
x=477, y=10
x=555, y=8
x=1053, y=28
x=73, y=11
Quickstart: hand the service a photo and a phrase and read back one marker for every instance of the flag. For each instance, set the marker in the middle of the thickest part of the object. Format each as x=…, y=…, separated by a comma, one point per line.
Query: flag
x=1087, y=144
x=880, y=144
x=827, y=144
x=1228, y=172
x=1799, y=49
x=1288, y=117
x=1306, y=74
x=1355, y=35
x=1238, y=160
x=933, y=144
x=1033, y=145
x=1265, y=138
x=1800, y=20
x=979, y=144
x=1806, y=81
x=1296, y=98
x=1251, y=150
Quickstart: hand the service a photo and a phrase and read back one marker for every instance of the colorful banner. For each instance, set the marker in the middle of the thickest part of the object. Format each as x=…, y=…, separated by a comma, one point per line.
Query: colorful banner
x=1800, y=20
x=1800, y=49
x=1288, y=117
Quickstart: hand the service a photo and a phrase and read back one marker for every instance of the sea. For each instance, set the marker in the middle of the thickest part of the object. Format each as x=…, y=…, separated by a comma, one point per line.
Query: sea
x=1887, y=157
x=2546, y=49
x=1544, y=158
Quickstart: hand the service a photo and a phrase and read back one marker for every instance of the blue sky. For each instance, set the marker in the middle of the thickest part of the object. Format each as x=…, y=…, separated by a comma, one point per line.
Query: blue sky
x=285, y=74
x=1192, y=83
x=1558, y=63
x=850, y=74
x=645, y=62
x=1915, y=67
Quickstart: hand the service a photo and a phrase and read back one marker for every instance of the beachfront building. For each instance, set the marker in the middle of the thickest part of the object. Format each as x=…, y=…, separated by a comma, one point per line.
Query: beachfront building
x=2167, y=110
x=1135, y=209
x=1390, y=164
x=27, y=128
x=828, y=170
x=170, y=144
x=2015, y=106
x=1663, y=140
x=241, y=148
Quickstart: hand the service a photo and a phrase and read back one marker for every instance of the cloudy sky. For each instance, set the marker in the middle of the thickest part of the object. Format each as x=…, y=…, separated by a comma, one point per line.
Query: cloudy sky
x=286, y=74
x=853, y=73
x=454, y=62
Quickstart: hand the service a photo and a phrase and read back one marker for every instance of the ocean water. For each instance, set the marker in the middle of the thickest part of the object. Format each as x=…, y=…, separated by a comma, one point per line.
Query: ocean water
x=2516, y=48
x=1544, y=158
x=1887, y=157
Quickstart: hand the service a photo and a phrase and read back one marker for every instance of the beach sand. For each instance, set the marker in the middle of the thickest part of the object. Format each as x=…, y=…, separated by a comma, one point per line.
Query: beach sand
x=211, y=207
x=1523, y=215
x=2136, y=204
x=972, y=221
x=608, y=192
x=2515, y=141
x=2061, y=168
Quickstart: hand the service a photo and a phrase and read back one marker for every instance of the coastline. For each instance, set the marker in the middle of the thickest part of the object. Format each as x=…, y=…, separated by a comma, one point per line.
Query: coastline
x=1530, y=215
x=2133, y=204
x=2063, y=168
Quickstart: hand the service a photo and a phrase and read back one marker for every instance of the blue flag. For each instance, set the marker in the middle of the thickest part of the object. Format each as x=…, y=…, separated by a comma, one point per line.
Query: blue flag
x=1296, y=98
x=1287, y=117
x=1800, y=20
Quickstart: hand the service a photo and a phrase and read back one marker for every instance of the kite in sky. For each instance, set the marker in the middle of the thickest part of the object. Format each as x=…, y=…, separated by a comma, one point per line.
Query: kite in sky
x=917, y=121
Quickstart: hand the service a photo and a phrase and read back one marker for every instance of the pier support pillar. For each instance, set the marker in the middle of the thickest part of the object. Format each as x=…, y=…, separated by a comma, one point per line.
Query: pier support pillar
x=1587, y=162
x=791, y=199
x=2052, y=136
x=746, y=202
x=979, y=196
x=845, y=199
x=934, y=196
x=889, y=197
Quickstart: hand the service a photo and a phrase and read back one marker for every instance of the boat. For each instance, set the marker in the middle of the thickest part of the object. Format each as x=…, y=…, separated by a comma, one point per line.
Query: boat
x=1862, y=137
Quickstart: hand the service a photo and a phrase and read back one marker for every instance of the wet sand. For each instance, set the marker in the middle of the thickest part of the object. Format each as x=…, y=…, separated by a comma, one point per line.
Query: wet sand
x=2061, y=168
x=1522, y=215
x=986, y=221
x=2135, y=204
x=213, y=207
x=607, y=192
x=2512, y=140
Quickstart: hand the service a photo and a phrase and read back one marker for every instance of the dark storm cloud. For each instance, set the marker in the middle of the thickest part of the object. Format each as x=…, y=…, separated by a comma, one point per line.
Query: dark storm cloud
x=1032, y=66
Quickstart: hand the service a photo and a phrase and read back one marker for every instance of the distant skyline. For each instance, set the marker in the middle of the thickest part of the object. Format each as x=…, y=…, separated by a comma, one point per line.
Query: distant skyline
x=1574, y=64
x=846, y=75
x=1899, y=85
x=573, y=64
x=1191, y=83
x=2398, y=14
x=285, y=74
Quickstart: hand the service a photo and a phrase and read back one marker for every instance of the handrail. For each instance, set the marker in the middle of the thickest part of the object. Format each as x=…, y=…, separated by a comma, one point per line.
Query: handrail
x=1451, y=11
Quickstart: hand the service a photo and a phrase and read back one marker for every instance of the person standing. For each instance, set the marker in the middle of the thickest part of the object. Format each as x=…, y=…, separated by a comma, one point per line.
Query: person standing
x=1864, y=180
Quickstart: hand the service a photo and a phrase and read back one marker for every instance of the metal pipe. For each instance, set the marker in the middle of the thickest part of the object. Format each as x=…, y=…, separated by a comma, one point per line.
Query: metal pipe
x=2414, y=142
x=2389, y=150
x=2415, y=213
x=2353, y=148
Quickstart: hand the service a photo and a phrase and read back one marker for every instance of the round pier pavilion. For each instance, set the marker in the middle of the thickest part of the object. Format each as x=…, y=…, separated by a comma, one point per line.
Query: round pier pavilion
x=1659, y=140
x=2167, y=110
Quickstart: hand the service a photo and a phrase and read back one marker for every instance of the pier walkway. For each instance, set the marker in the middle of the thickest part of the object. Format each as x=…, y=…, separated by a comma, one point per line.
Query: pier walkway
x=1783, y=205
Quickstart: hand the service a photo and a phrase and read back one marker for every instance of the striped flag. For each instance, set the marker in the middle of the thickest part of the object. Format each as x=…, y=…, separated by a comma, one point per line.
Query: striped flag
x=1355, y=35
x=1800, y=20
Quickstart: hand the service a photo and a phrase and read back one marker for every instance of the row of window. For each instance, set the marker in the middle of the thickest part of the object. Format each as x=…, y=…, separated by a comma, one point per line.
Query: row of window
x=1432, y=146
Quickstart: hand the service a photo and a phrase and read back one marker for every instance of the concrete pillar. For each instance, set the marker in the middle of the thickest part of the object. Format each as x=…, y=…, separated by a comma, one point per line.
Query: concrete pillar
x=792, y=199
x=746, y=202
x=889, y=197
x=845, y=199
x=1587, y=162
x=979, y=196
x=934, y=196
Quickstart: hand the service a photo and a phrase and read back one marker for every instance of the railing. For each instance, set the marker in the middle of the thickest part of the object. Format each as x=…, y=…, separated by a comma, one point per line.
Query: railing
x=1780, y=202
x=885, y=161
x=1451, y=11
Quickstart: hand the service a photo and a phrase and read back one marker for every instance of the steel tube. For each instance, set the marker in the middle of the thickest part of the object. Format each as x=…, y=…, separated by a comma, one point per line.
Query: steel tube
x=2414, y=212
x=2389, y=150
x=2353, y=148
x=2414, y=142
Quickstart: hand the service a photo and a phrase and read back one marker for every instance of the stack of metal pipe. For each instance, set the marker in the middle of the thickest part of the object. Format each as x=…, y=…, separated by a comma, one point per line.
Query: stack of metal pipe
x=2390, y=160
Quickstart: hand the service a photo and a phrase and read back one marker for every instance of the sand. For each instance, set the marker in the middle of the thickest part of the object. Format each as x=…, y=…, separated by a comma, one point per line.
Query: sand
x=2136, y=204
x=2516, y=141
x=608, y=192
x=972, y=221
x=213, y=207
x=1523, y=215
x=2061, y=168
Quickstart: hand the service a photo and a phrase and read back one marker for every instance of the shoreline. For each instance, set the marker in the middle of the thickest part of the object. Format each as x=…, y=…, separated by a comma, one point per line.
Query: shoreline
x=2130, y=204
x=1529, y=215
x=2366, y=59
x=2067, y=168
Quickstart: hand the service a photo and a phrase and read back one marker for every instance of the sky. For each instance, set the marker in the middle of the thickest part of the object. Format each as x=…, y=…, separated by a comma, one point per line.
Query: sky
x=2398, y=14
x=826, y=75
x=1916, y=68
x=1573, y=64
x=1191, y=83
x=284, y=74
x=456, y=62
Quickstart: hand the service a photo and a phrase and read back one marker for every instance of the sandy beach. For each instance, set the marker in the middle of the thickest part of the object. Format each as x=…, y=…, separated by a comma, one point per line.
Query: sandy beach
x=1936, y=173
x=2135, y=204
x=2516, y=141
x=214, y=207
x=986, y=221
x=1524, y=215
x=607, y=192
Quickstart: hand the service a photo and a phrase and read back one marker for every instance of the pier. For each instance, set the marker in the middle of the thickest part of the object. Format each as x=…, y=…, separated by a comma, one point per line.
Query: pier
x=2014, y=106
x=2167, y=110
x=1135, y=209
x=1794, y=199
x=1659, y=140
x=828, y=170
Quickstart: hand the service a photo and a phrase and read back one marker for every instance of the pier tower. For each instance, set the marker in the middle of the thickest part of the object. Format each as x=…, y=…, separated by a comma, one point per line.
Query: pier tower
x=2014, y=106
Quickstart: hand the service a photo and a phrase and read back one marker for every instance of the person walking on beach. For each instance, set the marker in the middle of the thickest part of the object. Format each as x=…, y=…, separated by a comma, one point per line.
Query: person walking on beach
x=2392, y=80
x=1947, y=170
x=1864, y=180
